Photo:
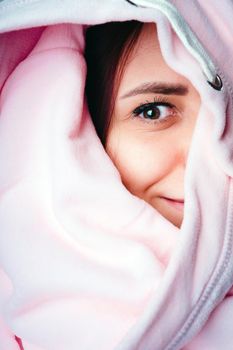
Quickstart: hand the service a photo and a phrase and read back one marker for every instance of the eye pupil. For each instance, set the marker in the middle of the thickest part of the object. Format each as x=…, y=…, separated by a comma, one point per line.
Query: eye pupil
x=151, y=113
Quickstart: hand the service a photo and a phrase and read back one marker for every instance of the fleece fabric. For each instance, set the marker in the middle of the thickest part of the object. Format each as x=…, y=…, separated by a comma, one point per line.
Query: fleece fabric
x=84, y=264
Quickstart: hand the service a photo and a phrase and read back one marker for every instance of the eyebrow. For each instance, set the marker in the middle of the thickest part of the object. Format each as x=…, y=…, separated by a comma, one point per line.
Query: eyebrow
x=158, y=88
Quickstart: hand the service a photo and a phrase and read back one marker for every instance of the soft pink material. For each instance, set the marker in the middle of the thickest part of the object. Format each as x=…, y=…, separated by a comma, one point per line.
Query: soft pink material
x=84, y=263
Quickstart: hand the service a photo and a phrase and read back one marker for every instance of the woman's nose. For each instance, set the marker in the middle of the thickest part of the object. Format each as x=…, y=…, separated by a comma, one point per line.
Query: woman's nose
x=185, y=150
x=184, y=144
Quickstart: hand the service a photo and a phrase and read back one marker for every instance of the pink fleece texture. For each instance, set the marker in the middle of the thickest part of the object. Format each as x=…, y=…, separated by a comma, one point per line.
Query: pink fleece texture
x=84, y=264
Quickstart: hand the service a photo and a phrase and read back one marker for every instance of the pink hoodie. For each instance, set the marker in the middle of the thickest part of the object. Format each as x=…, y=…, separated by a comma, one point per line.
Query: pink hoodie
x=84, y=264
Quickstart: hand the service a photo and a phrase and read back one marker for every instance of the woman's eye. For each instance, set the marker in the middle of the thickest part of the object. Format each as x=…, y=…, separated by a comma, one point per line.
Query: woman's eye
x=159, y=111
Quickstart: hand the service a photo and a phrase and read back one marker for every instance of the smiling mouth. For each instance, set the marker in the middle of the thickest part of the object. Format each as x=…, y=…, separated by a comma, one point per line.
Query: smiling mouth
x=175, y=203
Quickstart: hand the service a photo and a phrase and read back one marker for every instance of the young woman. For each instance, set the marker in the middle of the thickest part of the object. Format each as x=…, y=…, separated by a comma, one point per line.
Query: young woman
x=116, y=192
x=143, y=110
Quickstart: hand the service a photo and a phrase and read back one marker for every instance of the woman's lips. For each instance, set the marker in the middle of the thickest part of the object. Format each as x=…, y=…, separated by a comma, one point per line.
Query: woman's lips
x=175, y=203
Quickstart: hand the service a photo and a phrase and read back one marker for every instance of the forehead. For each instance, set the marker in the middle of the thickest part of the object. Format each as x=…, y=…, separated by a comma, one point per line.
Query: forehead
x=147, y=46
x=148, y=37
x=146, y=63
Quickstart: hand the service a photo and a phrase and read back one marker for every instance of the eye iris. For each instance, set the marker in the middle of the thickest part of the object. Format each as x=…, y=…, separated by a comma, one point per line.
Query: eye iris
x=151, y=113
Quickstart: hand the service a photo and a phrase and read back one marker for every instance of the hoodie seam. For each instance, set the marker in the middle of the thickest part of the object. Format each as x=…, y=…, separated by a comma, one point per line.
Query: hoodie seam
x=62, y=48
x=210, y=288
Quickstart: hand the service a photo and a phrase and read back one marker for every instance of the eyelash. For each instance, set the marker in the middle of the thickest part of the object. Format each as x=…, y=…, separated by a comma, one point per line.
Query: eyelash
x=146, y=106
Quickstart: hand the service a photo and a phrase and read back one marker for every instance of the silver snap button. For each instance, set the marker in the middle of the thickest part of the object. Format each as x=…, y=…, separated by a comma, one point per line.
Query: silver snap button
x=217, y=83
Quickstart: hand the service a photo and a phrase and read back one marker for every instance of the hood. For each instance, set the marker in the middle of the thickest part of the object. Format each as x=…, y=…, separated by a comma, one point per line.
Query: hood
x=84, y=264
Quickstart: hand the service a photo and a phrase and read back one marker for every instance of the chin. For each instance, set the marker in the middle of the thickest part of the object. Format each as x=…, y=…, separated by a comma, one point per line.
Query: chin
x=175, y=220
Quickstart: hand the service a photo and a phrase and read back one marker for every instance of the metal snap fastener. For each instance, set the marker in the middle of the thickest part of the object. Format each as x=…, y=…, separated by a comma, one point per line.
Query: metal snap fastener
x=217, y=83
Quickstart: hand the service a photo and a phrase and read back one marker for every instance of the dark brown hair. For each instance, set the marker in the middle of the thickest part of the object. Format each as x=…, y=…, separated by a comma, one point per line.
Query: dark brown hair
x=107, y=48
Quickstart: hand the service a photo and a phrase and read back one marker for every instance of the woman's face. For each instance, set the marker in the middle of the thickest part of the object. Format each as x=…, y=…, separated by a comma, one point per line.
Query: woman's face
x=151, y=127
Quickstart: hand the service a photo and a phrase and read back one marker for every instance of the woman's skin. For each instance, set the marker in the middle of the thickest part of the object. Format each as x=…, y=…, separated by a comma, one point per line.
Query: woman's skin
x=151, y=156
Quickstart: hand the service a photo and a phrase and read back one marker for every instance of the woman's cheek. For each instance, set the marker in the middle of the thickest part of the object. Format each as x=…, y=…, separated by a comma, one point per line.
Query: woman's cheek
x=138, y=159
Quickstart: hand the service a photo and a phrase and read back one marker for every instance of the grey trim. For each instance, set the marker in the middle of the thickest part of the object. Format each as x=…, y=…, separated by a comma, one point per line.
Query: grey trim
x=187, y=36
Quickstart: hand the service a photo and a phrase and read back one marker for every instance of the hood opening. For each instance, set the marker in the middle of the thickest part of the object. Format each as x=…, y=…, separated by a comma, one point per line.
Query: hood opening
x=64, y=190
